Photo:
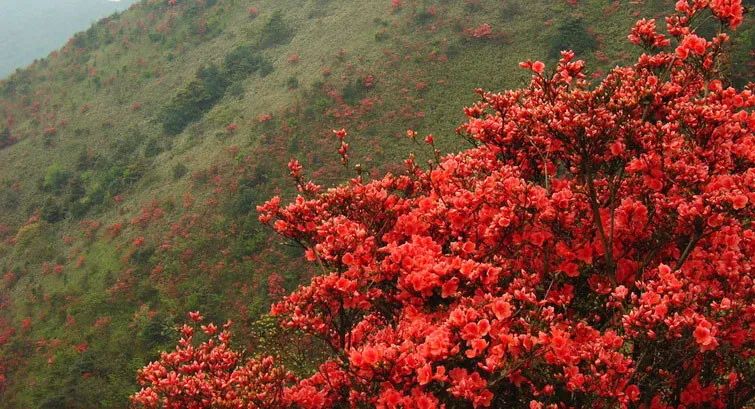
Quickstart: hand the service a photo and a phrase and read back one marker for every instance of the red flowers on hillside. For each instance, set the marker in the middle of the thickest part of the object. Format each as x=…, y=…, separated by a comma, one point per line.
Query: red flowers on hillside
x=210, y=374
x=482, y=31
x=138, y=242
x=592, y=249
x=293, y=58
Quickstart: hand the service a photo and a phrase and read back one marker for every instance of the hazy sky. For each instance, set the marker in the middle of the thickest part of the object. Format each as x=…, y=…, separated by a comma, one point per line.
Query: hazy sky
x=30, y=29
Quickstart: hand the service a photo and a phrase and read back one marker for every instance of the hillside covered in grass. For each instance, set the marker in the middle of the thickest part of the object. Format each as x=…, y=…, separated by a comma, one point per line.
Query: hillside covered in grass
x=132, y=159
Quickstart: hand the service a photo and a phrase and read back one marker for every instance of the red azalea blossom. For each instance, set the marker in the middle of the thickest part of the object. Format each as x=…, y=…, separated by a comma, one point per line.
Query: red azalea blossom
x=538, y=67
x=691, y=44
x=644, y=33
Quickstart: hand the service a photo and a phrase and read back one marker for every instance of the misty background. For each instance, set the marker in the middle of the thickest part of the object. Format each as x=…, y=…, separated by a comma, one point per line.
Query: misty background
x=31, y=29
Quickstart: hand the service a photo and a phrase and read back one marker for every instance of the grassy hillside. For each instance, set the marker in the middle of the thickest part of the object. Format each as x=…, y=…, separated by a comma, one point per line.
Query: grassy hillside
x=132, y=159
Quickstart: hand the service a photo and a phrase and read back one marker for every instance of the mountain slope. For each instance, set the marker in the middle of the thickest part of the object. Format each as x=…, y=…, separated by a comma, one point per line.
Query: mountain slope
x=134, y=157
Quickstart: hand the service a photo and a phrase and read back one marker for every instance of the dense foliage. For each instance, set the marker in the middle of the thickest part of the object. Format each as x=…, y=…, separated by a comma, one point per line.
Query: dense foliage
x=211, y=82
x=592, y=249
x=573, y=35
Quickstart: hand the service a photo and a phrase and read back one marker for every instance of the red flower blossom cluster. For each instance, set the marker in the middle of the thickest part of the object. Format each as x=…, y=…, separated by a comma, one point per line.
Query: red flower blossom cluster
x=644, y=33
x=368, y=81
x=537, y=66
x=593, y=249
x=149, y=213
x=343, y=149
x=730, y=12
x=691, y=44
x=482, y=31
x=138, y=242
x=210, y=375
x=262, y=118
x=114, y=230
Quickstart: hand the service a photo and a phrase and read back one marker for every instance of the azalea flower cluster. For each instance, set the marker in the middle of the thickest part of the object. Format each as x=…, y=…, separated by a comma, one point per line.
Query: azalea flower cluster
x=210, y=374
x=593, y=249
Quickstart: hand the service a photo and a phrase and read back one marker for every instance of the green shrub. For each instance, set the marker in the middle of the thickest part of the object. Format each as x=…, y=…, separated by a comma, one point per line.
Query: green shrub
x=354, y=92
x=4, y=137
x=152, y=148
x=126, y=146
x=251, y=238
x=266, y=68
x=142, y=256
x=156, y=38
x=179, y=170
x=86, y=160
x=18, y=83
x=209, y=86
x=739, y=69
x=55, y=402
x=316, y=106
x=214, y=81
x=472, y=6
x=423, y=17
x=292, y=83
x=275, y=32
x=242, y=61
x=52, y=211
x=381, y=35
x=9, y=200
x=194, y=100
x=156, y=332
x=510, y=10
x=572, y=35
x=55, y=179
x=236, y=90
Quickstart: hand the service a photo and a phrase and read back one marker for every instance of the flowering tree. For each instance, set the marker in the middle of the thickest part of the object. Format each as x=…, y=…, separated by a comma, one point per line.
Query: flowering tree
x=593, y=249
